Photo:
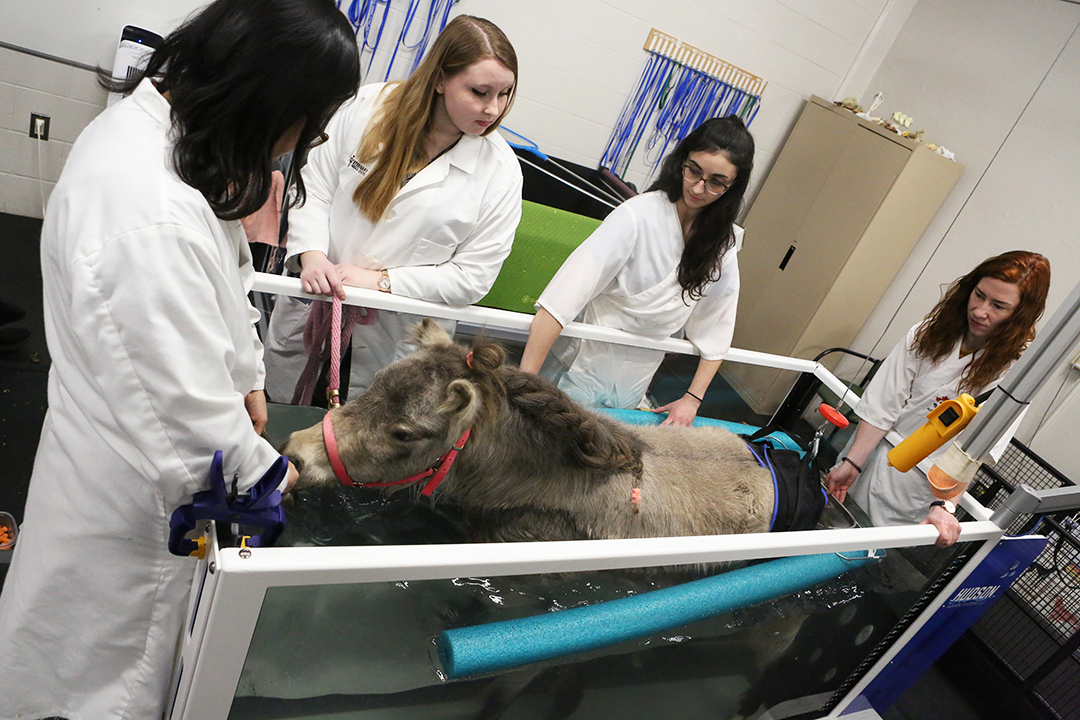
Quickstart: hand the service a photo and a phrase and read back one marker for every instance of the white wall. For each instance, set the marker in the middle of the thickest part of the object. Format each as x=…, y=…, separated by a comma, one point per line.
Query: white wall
x=85, y=32
x=85, y=35
x=579, y=61
x=995, y=81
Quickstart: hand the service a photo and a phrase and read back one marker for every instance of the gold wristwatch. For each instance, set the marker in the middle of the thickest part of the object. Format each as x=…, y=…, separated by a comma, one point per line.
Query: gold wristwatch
x=384, y=281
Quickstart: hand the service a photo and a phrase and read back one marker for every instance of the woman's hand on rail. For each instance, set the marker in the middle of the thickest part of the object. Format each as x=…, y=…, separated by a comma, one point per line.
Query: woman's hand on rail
x=840, y=479
x=681, y=413
x=947, y=525
x=356, y=276
x=319, y=276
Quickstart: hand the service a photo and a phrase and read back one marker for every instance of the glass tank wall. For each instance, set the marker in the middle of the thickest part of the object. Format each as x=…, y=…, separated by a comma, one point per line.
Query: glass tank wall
x=345, y=648
x=367, y=650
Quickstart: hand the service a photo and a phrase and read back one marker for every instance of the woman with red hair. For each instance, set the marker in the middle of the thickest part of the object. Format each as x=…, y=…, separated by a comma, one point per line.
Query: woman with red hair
x=965, y=345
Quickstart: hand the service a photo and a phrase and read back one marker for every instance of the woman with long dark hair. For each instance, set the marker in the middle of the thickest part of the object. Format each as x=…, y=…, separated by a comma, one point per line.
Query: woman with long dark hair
x=415, y=195
x=966, y=344
x=661, y=262
x=155, y=362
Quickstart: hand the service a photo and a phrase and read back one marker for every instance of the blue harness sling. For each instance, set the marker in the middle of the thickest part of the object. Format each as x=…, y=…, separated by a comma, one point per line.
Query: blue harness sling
x=259, y=507
x=799, y=495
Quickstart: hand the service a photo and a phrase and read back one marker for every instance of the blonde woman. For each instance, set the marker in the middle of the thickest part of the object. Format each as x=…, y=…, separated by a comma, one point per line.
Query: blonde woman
x=414, y=194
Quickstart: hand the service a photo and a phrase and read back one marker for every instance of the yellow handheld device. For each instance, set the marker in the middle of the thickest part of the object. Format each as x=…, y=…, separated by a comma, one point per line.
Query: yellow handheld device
x=943, y=424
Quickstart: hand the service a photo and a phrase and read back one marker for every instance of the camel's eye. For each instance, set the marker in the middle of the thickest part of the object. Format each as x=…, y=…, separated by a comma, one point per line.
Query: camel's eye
x=404, y=434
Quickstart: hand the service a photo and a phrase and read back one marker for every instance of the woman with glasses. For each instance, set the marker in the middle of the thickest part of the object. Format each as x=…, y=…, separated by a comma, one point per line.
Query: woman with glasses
x=155, y=362
x=415, y=194
x=661, y=262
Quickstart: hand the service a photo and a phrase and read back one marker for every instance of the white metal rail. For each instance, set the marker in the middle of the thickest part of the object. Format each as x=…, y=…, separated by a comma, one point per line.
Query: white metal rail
x=492, y=317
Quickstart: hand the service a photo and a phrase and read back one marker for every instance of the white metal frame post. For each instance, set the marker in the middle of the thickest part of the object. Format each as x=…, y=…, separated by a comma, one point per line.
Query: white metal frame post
x=924, y=617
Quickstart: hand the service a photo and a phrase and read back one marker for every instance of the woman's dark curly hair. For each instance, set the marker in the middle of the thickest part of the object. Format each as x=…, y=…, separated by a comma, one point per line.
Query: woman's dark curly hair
x=239, y=74
x=947, y=323
x=711, y=235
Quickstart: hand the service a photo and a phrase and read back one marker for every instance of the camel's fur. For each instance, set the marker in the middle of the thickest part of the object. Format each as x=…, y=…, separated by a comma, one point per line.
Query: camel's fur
x=537, y=466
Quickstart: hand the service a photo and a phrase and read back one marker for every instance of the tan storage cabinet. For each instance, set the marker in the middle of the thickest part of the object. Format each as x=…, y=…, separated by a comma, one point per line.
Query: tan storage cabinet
x=845, y=203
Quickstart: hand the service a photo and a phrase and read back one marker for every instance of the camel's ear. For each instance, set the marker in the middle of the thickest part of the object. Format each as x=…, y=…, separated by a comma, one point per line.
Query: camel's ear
x=462, y=404
x=486, y=357
x=429, y=334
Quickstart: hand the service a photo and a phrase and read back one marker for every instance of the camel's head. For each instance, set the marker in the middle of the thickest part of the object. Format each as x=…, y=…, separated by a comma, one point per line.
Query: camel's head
x=413, y=412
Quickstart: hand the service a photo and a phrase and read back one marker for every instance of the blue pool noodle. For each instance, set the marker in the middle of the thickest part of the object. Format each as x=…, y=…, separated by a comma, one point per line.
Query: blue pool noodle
x=498, y=646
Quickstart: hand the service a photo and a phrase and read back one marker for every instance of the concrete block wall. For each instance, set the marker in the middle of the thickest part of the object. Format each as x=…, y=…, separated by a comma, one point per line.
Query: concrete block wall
x=374, y=63
x=70, y=97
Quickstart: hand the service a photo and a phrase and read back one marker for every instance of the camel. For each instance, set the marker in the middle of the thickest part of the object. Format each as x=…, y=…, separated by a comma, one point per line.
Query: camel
x=536, y=465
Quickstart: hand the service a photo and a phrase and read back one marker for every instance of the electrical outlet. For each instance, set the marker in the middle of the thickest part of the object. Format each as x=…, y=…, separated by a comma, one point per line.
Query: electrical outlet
x=39, y=126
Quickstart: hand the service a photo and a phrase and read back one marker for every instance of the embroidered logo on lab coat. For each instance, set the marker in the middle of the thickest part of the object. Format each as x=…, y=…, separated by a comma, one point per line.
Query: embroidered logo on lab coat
x=358, y=166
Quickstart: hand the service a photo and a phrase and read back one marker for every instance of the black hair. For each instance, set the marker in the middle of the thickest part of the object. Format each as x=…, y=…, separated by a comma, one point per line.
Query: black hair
x=239, y=74
x=711, y=235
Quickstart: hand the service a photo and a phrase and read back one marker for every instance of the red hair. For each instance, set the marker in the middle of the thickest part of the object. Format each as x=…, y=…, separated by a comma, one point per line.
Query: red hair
x=947, y=322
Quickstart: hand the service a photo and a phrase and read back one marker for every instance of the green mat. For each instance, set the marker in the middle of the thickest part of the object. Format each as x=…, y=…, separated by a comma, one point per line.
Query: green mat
x=545, y=238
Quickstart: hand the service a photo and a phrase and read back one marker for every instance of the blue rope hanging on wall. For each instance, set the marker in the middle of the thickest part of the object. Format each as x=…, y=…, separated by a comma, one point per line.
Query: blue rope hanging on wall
x=635, y=116
x=362, y=16
x=681, y=87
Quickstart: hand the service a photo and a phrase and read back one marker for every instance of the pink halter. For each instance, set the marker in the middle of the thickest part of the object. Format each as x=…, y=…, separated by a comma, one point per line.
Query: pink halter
x=438, y=470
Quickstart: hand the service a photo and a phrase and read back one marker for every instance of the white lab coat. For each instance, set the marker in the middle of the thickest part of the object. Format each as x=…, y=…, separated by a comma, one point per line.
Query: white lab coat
x=443, y=238
x=904, y=391
x=623, y=276
x=153, y=350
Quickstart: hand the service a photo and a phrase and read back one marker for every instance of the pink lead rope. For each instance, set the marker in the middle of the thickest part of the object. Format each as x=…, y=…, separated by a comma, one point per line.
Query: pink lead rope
x=333, y=385
x=317, y=342
x=437, y=472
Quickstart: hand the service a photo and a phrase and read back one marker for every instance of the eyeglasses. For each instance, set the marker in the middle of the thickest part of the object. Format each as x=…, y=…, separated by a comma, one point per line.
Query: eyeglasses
x=322, y=138
x=693, y=175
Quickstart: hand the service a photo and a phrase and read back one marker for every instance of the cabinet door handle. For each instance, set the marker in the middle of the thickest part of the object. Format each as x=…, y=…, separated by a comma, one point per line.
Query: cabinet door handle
x=784, y=262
